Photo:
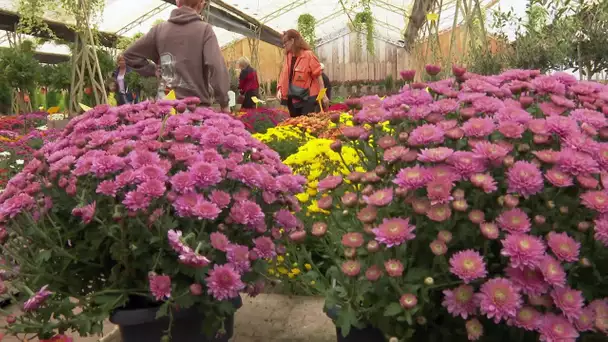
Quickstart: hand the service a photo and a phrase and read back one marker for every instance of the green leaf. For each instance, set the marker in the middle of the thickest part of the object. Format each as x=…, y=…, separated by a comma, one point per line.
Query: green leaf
x=415, y=275
x=393, y=309
x=163, y=310
x=44, y=256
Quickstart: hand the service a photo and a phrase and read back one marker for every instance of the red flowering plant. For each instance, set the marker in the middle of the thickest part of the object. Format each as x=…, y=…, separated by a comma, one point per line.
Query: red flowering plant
x=259, y=120
x=134, y=207
x=481, y=214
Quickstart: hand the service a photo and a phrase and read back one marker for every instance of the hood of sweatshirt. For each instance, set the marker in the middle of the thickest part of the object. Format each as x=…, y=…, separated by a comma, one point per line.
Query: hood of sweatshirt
x=184, y=15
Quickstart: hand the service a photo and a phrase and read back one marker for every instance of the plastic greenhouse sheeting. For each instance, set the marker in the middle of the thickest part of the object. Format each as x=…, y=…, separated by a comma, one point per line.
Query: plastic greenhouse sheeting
x=390, y=16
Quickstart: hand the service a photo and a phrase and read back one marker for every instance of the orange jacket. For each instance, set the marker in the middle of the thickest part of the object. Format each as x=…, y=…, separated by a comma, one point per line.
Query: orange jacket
x=306, y=74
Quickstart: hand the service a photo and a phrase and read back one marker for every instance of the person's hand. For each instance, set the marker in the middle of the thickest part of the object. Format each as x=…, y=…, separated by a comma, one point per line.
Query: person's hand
x=279, y=94
x=226, y=110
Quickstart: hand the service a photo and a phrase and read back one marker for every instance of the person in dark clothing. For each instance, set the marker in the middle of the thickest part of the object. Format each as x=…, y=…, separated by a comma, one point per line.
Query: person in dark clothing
x=249, y=85
x=124, y=95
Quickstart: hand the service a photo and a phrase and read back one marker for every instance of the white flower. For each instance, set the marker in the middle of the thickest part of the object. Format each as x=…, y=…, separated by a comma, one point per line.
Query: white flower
x=5, y=154
x=19, y=161
x=42, y=128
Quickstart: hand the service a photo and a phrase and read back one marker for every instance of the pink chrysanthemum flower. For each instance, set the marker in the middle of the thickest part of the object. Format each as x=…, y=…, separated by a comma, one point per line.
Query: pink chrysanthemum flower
x=488, y=105
x=408, y=301
x=284, y=218
x=551, y=109
x=591, y=117
x=491, y=152
x=37, y=300
x=478, y=127
x=530, y=281
x=108, y=188
x=220, y=198
x=160, y=286
x=549, y=85
x=468, y=265
x=439, y=212
x=553, y=272
x=394, y=268
x=86, y=213
x=514, y=221
x=238, y=257
x=264, y=247
x=538, y=126
x=569, y=301
x=219, y=241
x=438, y=247
x=577, y=163
x=435, y=155
x=547, y=156
x=489, y=230
x=466, y=163
x=247, y=213
x=351, y=268
x=601, y=231
x=525, y=179
x=394, y=232
x=474, y=329
x=587, y=182
x=426, y=134
x=499, y=299
x=373, y=273
x=444, y=173
x=395, y=153
x=205, y=210
x=561, y=125
x=511, y=129
x=136, y=200
x=523, y=250
x=152, y=188
x=585, y=320
x=596, y=200
x=554, y=328
x=412, y=178
x=526, y=318
x=559, y=178
x=484, y=181
x=329, y=183
x=380, y=198
x=353, y=240
x=563, y=246
x=439, y=192
x=224, y=282
x=460, y=301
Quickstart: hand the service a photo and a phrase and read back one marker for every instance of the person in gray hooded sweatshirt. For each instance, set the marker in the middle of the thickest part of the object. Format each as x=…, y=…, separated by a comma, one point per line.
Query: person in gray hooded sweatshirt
x=189, y=55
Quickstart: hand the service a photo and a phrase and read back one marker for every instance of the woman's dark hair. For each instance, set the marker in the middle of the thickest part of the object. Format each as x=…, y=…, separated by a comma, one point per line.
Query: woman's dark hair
x=299, y=43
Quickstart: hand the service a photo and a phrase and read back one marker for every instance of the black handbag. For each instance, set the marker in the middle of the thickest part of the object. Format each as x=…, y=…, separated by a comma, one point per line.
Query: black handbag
x=299, y=93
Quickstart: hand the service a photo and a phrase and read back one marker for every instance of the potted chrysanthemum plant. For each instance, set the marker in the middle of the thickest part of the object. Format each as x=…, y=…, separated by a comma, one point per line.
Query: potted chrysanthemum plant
x=481, y=213
x=155, y=221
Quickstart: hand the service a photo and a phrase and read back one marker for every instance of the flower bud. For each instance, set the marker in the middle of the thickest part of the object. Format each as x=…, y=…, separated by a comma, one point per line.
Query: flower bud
x=373, y=246
x=583, y=226
x=336, y=146
x=10, y=319
x=165, y=338
x=585, y=262
x=319, y=229
x=386, y=142
x=421, y=320
x=345, y=212
x=460, y=205
x=350, y=253
x=381, y=170
x=432, y=70
x=408, y=301
x=563, y=209
x=401, y=192
x=368, y=190
x=523, y=148
x=281, y=250
x=511, y=201
x=509, y=161
x=550, y=204
x=368, y=229
x=539, y=219
x=403, y=136
x=325, y=202
x=541, y=139
x=458, y=194
x=393, y=339
x=429, y=281
x=298, y=236
x=476, y=216
x=335, y=118
x=444, y=236
x=196, y=289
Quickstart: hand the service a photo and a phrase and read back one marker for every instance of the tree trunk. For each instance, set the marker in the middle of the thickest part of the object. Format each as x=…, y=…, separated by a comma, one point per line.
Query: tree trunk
x=417, y=19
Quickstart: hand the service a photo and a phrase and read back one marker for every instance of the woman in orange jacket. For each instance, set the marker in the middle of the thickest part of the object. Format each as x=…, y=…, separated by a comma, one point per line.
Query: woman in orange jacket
x=301, y=76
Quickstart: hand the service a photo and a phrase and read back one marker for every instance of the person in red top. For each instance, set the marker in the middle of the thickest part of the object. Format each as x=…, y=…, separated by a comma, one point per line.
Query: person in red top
x=248, y=83
x=301, y=76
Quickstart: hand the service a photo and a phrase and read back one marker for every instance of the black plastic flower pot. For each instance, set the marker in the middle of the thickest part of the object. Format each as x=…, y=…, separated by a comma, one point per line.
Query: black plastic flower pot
x=138, y=325
x=368, y=334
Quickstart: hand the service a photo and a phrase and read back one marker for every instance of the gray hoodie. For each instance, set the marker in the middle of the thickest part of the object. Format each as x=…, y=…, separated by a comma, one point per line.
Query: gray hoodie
x=189, y=56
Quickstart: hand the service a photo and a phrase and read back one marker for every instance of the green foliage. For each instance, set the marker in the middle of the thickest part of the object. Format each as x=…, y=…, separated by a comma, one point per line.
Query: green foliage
x=273, y=86
x=124, y=42
x=147, y=86
x=364, y=21
x=20, y=70
x=389, y=83
x=306, y=27
x=31, y=13
x=61, y=76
